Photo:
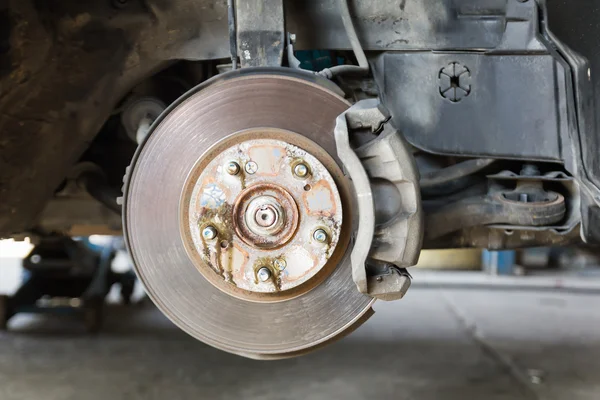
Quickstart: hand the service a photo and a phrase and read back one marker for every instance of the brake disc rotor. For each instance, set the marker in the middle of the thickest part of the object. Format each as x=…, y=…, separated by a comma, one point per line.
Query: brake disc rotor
x=239, y=218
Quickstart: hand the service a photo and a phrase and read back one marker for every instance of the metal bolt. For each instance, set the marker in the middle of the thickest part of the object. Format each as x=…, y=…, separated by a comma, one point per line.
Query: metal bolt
x=530, y=170
x=292, y=38
x=523, y=197
x=280, y=264
x=233, y=168
x=301, y=170
x=264, y=216
x=209, y=233
x=320, y=236
x=379, y=279
x=264, y=274
x=36, y=258
x=251, y=167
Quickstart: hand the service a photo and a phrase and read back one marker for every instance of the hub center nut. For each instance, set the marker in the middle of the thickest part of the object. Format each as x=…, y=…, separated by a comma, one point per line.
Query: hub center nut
x=265, y=215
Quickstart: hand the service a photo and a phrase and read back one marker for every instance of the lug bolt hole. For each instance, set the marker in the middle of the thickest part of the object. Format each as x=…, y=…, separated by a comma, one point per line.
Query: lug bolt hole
x=307, y=188
x=224, y=244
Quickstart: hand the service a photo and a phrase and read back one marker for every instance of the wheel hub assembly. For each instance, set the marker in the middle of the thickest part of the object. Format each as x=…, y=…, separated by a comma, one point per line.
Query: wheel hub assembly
x=239, y=218
x=251, y=209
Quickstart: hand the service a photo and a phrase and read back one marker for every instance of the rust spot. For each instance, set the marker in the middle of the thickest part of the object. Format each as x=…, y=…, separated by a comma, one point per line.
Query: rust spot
x=268, y=158
x=238, y=273
x=320, y=199
x=221, y=219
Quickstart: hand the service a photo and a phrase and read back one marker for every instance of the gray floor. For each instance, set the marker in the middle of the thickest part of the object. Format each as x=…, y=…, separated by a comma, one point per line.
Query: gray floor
x=435, y=344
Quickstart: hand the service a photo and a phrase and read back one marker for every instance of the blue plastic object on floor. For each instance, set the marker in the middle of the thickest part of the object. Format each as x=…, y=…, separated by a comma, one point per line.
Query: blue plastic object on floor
x=499, y=262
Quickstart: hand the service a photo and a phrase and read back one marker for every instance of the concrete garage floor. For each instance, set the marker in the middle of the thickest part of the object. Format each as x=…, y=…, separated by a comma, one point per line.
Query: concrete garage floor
x=433, y=345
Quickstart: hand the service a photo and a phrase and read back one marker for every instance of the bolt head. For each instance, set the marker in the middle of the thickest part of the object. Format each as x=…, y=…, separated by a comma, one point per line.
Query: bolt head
x=301, y=170
x=320, y=236
x=292, y=38
x=251, y=167
x=264, y=274
x=280, y=264
x=233, y=168
x=209, y=233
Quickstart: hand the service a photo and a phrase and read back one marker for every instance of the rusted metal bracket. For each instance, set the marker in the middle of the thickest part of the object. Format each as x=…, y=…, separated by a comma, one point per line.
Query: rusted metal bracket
x=260, y=32
x=386, y=182
x=527, y=205
x=386, y=281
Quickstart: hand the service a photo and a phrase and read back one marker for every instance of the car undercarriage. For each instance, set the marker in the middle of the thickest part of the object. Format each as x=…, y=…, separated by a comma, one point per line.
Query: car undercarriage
x=276, y=166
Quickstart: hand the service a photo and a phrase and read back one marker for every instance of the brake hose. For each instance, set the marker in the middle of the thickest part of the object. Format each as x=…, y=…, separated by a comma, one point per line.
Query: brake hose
x=363, y=65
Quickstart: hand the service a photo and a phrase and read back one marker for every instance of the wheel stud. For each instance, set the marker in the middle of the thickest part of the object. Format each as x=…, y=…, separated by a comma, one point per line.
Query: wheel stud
x=320, y=236
x=301, y=170
x=209, y=233
x=264, y=274
x=233, y=168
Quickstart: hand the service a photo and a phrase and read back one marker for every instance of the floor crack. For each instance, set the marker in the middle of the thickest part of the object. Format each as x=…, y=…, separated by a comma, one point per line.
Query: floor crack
x=505, y=363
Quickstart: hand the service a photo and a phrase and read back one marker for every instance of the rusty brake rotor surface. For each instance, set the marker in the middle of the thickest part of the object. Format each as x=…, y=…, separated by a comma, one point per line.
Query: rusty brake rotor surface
x=239, y=218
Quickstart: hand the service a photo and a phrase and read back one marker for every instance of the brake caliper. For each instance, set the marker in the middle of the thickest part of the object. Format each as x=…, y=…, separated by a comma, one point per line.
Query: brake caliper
x=386, y=181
